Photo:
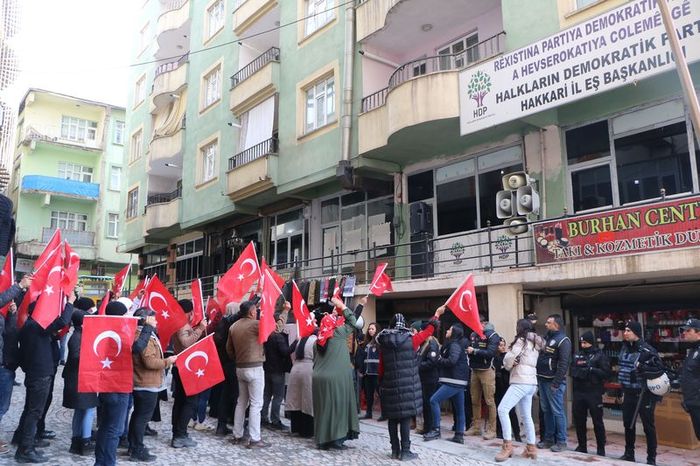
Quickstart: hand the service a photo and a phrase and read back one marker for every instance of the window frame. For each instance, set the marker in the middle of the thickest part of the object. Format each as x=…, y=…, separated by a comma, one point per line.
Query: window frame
x=72, y=169
x=112, y=169
x=207, y=101
x=210, y=32
x=140, y=90
x=136, y=145
x=109, y=225
x=311, y=15
x=463, y=40
x=312, y=87
x=71, y=124
x=132, y=203
x=57, y=217
x=118, y=133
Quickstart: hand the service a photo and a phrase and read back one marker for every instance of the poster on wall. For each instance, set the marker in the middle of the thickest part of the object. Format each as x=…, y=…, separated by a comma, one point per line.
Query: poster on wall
x=651, y=227
x=616, y=48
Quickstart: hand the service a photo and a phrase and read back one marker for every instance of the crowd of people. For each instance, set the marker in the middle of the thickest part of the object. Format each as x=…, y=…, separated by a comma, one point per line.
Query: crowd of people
x=319, y=379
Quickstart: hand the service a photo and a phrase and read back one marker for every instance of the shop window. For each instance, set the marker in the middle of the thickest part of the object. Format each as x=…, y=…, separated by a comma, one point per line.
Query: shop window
x=330, y=210
x=420, y=186
x=592, y=188
x=651, y=160
x=287, y=239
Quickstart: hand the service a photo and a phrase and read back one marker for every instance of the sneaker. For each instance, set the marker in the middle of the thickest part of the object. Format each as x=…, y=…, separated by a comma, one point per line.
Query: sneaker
x=29, y=456
x=201, y=427
x=543, y=445
x=259, y=444
x=279, y=426
x=183, y=442
x=4, y=448
x=408, y=455
x=559, y=446
x=46, y=434
x=432, y=435
x=142, y=456
x=191, y=423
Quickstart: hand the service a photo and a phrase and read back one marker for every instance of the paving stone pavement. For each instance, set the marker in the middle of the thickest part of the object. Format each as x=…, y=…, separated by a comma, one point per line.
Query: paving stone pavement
x=372, y=448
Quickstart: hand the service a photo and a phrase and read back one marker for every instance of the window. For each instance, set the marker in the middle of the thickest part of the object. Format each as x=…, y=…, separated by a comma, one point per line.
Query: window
x=115, y=178
x=212, y=87
x=456, y=197
x=132, y=203
x=140, y=90
x=320, y=104
x=77, y=129
x=112, y=225
x=209, y=155
x=136, y=144
x=584, y=3
x=215, y=18
x=75, y=172
x=287, y=239
x=156, y=263
x=118, y=137
x=143, y=38
x=462, y=52
x=318, y=14
x=69, y=221
x=188, y=264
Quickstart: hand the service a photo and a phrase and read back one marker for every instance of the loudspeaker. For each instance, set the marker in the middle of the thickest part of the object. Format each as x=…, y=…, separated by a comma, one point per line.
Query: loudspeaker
x=516, y=226
x=504, y=204
x=527, y=200
x=514, y=180
x=421, y=218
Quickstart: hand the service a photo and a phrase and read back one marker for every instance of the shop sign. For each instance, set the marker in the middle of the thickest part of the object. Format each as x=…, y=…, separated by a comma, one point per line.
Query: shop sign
x=650, y=227
x=24, y=265
x=616, y=48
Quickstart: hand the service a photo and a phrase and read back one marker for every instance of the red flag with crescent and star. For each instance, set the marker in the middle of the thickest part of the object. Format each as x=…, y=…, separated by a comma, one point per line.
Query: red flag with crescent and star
x=381, y=281
x=169, y=314
x=463, y=304
x=238, y=280
x=50, y=303
x=270, y=293
x=70, y=278
x=105, y=364
x=120, y=278
x=306, y=324
x=7, y=278
x=199, y=366
x=103, y=305
x=197, y=302
x=40, y=272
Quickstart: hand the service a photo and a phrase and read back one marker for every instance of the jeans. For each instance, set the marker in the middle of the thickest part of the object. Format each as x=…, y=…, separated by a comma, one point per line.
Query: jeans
x=552, y=402
x=274, y=391
x=646, y=414
x=201, y=411
x=583, y=403
x=41, y=425
x=428, y=390
x=37, y=394
x=144, y=404
x=371, y=386
x=519, y=396
x=82, y=422
x=443, y=393
x=251, y=384
x=7, y=380
x=113, y=409
x=405, y=442
x=183, y=407
x=484, y=383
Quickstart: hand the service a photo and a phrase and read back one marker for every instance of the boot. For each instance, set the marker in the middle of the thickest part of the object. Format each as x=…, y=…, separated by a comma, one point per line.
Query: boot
x=600, y=450
x=142, y=455
x=75, y=446
x=87, y=446
x=628, y=456
x=473, y=430
x=432, y=435
x=29, y=455
x=458, y=438
x=506, y=451
x=395, y=454
x=530, y=451
x=222, y=430
x=406, y=453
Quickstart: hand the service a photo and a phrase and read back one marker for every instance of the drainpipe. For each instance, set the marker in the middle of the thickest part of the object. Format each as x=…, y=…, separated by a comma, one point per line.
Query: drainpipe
x=543, y=188
x=346, y=120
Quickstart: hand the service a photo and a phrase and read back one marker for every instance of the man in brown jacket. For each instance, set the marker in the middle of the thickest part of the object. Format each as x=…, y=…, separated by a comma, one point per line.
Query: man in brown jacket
x=183, y=405
x=243, y=347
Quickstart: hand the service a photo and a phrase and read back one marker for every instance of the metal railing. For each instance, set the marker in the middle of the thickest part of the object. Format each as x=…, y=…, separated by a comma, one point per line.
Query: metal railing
x=375, y=100
x=270, y=55
x=267, y=147
x=170, y=5
x=173, y=65
x=161, y=198
x=74, y=238
x=472, y=55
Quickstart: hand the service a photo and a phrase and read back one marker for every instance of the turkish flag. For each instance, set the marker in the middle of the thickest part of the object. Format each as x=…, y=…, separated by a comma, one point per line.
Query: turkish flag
x=240, y=277
x=139, y=286
x=40, y=273
x=197, y=303
x=120, y=278
x=381, y=281
x=199, y=366
x=329, y=323
x=103, y=305
x=50, y=303
x=306, y=324
x=70, y=278
x=463, y=304
x=169, y=314
x=212, y=308
x=270, y=293
x=278, y=280
x=105, y=364
x=7, y=278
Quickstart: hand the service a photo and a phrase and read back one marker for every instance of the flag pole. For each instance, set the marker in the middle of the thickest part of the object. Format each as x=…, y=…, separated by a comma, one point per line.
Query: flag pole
x=681, y=66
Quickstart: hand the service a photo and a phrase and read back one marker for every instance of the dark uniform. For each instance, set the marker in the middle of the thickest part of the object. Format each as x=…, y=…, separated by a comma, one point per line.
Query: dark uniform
x=589, y=370
x=690, y=379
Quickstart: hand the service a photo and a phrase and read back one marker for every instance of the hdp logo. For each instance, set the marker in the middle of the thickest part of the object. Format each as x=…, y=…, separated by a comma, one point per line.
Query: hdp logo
x=478, y=87
x=503, y=244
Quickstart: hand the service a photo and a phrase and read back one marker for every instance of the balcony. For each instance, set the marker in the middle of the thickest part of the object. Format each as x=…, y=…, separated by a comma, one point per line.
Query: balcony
x=162, y=212
x=248, y=12
x=252, y=171
x=53, y=186
x=74, y=238
x=50, y=134
x=169, y=79
x=31, y=241
x=167, y=149
x=419, y=92
x=255, y=82
x=172, y=30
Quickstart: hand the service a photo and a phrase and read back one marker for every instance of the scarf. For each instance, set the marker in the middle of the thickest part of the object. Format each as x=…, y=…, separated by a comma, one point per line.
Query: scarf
x=329, y=323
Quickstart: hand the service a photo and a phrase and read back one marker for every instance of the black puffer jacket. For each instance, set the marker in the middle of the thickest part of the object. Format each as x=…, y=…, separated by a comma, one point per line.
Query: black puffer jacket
x=589, y=370
x=428, y=354
x=400, y=387
x=453, y=361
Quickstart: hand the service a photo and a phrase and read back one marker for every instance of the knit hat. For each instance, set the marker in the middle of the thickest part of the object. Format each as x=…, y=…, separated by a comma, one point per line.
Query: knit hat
x=186, y=305
x=115, y=308
x=588, y=337
x=417, y=325
x=398, y=321
x=84, y=304
x=635, y=327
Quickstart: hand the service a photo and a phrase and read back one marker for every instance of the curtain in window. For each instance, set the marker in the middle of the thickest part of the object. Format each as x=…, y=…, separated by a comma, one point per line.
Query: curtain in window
x=173, y=122
x=257, y=124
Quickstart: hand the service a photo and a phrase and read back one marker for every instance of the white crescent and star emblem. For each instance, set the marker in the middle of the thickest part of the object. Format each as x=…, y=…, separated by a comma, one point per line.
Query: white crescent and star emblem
x=469, y=301
x=151, y=295
x=49, y=288
x=72, y=254
x=253, y=268
x=107, y=363
x=197, y=354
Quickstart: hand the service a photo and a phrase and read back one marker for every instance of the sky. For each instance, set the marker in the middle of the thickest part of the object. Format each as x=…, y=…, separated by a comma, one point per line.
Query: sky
x=77, y=47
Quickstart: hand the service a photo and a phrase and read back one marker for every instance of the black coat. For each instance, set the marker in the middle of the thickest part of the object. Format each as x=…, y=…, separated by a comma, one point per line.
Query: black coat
x=589, y=370
x=71, y=398
x=690, y=378
x=453, y=362
x=38, y=347
x=428, y=355
x=400, y=387
x=277, y=353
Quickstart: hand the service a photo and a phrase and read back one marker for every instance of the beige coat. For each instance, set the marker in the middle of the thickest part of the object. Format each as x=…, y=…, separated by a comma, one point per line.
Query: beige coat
x=299, y=394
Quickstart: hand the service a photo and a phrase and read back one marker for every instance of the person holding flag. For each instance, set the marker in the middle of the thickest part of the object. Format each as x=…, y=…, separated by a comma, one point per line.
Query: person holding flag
x=37, y=361
x=277, y=364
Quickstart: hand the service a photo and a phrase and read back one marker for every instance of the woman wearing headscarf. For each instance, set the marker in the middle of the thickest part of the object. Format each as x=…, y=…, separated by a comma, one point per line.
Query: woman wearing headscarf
x=334, y=400
x=299, y=401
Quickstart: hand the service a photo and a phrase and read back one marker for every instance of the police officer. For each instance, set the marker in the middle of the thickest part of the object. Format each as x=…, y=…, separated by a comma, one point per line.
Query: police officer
x=483, y=381
x=589, y=370
x=690, y=373
x=638, y=361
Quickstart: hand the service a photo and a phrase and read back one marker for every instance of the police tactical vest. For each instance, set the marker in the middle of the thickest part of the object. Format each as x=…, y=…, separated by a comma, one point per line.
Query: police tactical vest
x=627, y=361
x=549, y=356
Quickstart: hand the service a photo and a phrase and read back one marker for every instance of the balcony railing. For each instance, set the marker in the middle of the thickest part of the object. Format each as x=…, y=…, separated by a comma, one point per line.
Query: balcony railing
x=170, y=5
x=173, y=65
x=267, y=147
x=161, y=198
x=375, y=100
x=272, y=54
x=74, y=238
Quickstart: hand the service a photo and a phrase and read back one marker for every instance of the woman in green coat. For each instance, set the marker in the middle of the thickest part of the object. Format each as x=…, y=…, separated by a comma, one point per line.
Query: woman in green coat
x=334, y=398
